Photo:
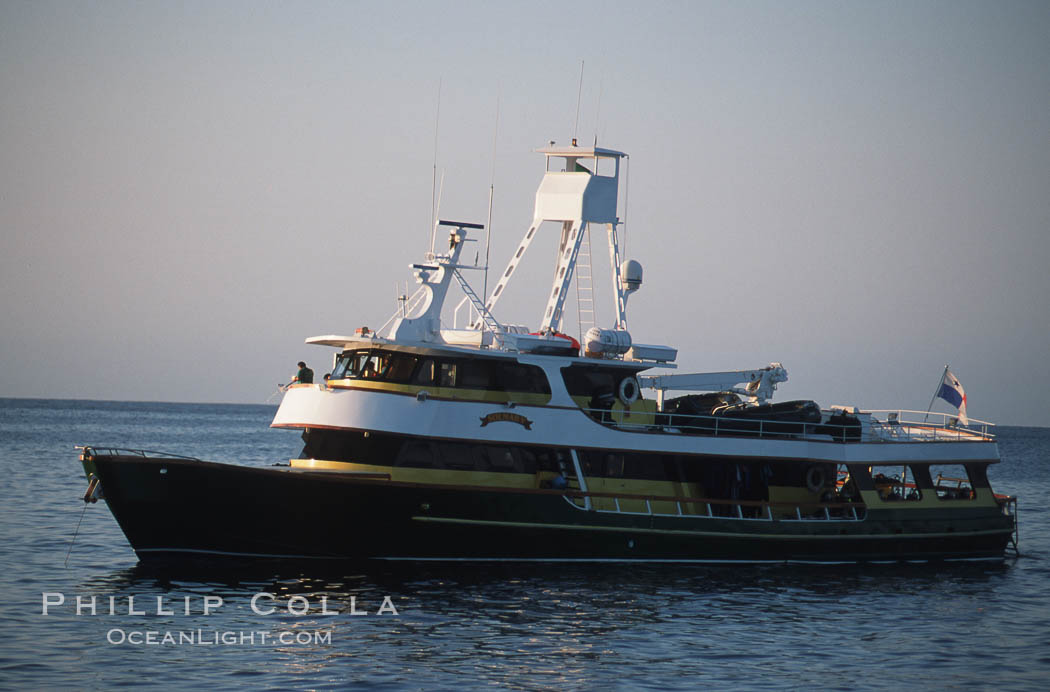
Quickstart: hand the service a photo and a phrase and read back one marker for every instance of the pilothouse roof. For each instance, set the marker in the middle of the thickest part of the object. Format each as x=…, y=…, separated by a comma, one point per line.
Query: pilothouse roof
x=580, y=152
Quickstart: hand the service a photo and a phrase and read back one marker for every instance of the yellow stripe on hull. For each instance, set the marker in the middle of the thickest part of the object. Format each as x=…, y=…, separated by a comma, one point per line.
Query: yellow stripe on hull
x=410, y=474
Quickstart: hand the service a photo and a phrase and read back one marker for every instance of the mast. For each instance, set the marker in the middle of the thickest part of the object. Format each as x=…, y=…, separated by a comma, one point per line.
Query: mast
x=577, y=189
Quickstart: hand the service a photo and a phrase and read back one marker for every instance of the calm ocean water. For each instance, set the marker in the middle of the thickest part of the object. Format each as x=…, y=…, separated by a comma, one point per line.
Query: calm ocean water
x=970, y=626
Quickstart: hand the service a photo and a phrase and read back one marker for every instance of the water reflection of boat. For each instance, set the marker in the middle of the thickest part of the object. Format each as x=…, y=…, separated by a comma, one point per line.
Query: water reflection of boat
x=492, y=441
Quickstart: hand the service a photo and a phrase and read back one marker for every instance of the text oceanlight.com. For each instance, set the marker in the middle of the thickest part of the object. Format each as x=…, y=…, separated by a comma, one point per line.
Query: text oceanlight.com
x=200, y=637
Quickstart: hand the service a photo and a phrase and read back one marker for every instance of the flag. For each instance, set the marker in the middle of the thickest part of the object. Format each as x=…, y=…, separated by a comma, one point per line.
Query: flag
x=952, y=392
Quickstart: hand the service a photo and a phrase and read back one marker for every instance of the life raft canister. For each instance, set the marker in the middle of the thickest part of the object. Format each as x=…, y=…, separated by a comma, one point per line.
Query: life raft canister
x=572, y=342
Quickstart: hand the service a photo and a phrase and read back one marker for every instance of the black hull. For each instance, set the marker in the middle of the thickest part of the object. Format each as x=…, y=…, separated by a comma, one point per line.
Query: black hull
x=177, y=508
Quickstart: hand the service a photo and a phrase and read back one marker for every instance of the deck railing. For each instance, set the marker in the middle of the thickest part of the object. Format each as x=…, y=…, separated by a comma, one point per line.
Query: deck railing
x=931, y=425
x=746, y=510
x=89, y=451
x=897, y=425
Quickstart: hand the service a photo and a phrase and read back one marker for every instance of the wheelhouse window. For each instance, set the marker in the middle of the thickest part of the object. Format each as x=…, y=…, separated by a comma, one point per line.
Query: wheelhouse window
x=508, y=376
x=952, y=482
x=447, y=375
x=476, y=374
x=898, y=482
x=426, y=372
x=373, y=364
x=586, y=380
x=487, y=374
x=904, y=482
x=400, y=367
x=342, y=364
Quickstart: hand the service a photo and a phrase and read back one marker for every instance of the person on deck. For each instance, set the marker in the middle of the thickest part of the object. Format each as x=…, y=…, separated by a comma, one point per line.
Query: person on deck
x=304, y=376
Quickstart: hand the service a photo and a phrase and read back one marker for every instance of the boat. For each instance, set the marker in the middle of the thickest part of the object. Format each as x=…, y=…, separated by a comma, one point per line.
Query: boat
x=449, y=434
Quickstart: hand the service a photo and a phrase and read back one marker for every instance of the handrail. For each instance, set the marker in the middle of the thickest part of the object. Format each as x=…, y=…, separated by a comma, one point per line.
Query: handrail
x=924, y=414
x=91, y=451
x=471, y=311
x=409, y=306
x=823, y=509
x=958, y=481
x=894, y=416
x=864, y=427
x=710, y=500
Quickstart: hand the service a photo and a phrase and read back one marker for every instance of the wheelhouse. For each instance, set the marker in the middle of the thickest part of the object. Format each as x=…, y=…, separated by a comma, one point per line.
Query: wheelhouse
x=441, y=375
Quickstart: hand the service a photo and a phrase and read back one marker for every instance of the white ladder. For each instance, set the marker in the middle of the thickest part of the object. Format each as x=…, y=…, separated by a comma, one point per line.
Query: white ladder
x=586, y=316
x=490, y=322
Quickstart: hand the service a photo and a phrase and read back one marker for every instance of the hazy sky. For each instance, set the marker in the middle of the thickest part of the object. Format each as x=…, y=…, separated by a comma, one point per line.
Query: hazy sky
x=860, y=190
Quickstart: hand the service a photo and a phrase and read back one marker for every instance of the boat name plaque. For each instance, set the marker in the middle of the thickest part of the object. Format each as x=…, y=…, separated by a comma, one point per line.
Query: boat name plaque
x=507, y=417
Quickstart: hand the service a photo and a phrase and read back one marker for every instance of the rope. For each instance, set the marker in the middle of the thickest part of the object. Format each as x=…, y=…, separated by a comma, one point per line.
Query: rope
x=75, y=533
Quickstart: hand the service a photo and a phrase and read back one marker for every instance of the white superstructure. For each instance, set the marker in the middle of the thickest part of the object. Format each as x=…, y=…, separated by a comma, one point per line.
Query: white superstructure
x=579, y=190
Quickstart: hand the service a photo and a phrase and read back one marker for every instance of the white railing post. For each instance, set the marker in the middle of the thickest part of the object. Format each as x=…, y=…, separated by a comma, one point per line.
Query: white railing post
x=580, y=479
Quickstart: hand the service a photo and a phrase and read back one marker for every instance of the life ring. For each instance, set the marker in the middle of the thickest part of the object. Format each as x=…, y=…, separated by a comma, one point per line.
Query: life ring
x=815, y=479
x=629, y=390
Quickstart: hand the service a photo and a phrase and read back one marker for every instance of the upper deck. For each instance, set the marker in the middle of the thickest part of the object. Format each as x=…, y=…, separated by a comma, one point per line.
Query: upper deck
x=486, y=360
x=608, y=393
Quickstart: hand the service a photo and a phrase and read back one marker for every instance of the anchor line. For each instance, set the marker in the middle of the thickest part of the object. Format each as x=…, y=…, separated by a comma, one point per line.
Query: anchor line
x=75, y=534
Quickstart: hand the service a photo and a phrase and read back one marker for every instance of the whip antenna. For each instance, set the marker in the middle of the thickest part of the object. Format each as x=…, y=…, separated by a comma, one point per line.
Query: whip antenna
x=433, y=178
x=488, y=224
x=433, y=232
x=579, y=95
x=598, y=115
